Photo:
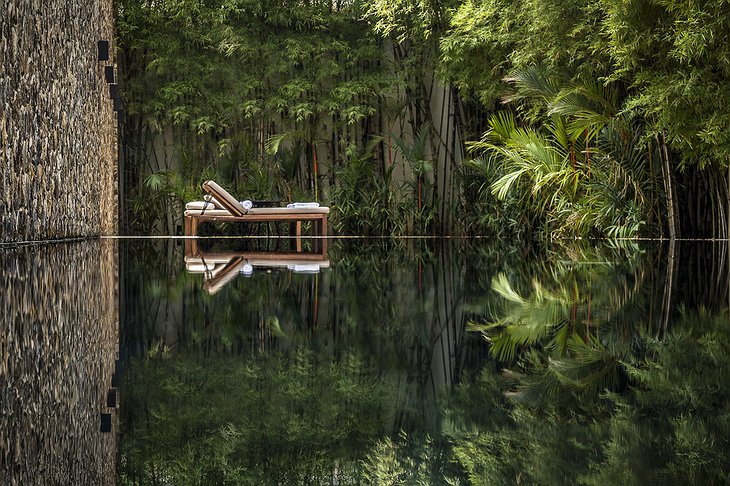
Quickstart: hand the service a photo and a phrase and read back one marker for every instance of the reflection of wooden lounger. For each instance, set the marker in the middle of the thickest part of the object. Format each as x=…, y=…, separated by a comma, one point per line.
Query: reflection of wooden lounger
x=233, y=211
x=220, y=268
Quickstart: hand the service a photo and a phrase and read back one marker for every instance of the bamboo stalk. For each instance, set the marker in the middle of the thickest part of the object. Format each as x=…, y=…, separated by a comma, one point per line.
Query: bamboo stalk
x=666, y=169
x=316, y=185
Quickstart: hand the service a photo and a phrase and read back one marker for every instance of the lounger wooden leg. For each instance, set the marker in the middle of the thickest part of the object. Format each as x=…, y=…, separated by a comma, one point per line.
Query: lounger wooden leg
x=299, y=236
x=191, y=229
x=187, y=225
x=316, y=233
x=323, y=234
x=194, y=248
x=191, y=226
x=191, y=247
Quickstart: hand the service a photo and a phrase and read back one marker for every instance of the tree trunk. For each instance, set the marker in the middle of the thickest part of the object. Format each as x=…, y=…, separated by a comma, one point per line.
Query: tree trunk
x=668, y=186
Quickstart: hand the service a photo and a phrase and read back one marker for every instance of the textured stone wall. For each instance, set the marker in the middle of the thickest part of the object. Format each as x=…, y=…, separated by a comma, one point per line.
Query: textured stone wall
x=58, y=154
x=59, y=337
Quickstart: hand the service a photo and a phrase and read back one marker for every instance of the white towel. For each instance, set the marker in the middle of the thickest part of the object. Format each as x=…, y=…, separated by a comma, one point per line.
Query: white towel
x=199, y=267
x=303, y=205
x=304, y=268
x=200, y=205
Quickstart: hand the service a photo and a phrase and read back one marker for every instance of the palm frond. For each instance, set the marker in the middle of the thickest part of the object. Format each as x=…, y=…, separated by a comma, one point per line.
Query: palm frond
x=533, y=82
x=274, y=142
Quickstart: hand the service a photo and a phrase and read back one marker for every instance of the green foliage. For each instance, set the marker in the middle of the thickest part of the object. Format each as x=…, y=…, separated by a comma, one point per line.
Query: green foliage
x=367, y=204
x=224, y=82
x=505, y=443
x=674, y=56
x=210, y=66
x=675, y=426
x=573, y=329
x=410, y=460
x=233, y=421
x=592, y=396
x=487, y=39
x=406, y=21
x=582, y=172
x=666, y=422
x=243, y=90
x=666, y=63
x=600, y=392
x=316, y=398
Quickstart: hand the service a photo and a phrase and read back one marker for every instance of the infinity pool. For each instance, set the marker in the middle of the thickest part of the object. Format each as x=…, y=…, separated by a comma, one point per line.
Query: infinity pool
x=373, y=361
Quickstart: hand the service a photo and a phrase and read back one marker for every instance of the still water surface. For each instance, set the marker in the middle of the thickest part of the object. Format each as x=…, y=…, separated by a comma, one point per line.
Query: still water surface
x=380, y=362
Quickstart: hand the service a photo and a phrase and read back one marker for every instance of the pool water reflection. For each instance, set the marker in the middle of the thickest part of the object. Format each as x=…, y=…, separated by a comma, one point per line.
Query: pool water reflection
x=418, y=361
x=431, y=361
x=269, y=369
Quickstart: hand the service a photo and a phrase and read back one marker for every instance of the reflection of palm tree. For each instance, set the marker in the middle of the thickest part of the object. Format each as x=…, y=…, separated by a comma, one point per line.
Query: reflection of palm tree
x=585, y=319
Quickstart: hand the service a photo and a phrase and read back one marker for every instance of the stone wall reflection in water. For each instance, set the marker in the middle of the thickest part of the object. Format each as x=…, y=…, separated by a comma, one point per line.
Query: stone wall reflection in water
x=58, y=344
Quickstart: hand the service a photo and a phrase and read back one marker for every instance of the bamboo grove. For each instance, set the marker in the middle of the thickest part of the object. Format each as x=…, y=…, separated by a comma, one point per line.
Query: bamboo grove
x=535, y=119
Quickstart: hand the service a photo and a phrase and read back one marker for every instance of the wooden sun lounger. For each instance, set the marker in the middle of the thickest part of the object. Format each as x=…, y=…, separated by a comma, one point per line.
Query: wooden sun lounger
x=234, y=212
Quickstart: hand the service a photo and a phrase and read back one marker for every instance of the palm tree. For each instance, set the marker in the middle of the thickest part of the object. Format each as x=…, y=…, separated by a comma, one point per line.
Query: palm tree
x=582, y=170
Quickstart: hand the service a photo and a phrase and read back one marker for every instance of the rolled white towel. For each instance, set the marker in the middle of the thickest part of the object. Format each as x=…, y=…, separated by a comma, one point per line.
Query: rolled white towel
x=304, y=268
x=199, y=267
x=247, y=204
x=200, y=205
x=303, y=205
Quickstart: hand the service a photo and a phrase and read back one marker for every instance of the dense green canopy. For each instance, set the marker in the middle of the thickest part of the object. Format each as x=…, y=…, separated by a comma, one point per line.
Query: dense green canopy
x=325, y=99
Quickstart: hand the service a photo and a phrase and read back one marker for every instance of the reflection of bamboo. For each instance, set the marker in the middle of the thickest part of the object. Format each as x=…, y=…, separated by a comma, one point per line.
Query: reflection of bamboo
x=433, y=360
x=726, y=257
x=668, y=289
x=316, y=299
x=450, y=320
x=718, y=269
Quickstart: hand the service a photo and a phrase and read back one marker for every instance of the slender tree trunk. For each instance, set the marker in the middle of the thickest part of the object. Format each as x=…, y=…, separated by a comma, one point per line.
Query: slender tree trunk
x=668, y=186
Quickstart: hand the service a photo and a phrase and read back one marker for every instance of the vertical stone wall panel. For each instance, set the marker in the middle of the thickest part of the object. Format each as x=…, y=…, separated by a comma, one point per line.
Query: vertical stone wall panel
x=58, y=153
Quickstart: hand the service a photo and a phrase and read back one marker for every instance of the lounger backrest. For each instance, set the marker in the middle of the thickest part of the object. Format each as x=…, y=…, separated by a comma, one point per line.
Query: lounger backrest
x=227, y=201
